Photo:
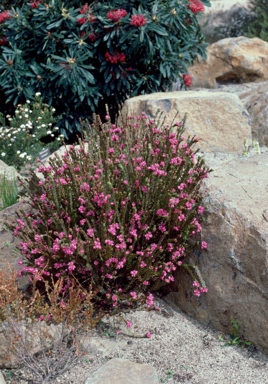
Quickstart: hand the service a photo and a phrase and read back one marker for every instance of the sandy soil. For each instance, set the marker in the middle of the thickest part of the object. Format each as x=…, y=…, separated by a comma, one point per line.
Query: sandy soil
x=180, y=349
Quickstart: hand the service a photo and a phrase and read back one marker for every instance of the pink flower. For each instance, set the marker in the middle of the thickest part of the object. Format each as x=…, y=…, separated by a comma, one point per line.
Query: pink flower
x=148, y=235
x=116, y=15
x=187, y=79
x=41, y=318
x=90, y=232
x=97, y=244
x=71, y=266
x=196, y=6
x=150, y=300
x=148, y=335
x=134, y=273
x=204, y=245
x=204, y=289
x=138, y=20
x=128, y=324
x=197, y=292
x=133, y=295
x=85, y=187
x=63, y=181
x=162, y=213
x=196, y=284
x=200, y=210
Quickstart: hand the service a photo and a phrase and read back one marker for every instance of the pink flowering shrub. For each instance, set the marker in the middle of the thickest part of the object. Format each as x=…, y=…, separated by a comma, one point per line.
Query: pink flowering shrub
x=119, y=213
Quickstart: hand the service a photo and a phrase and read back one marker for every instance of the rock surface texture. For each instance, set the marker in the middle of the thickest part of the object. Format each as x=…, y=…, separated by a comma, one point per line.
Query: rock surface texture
x=120, y=371
x=235, y=266
x=256, y=103
x=219, y=119
x=234, y=59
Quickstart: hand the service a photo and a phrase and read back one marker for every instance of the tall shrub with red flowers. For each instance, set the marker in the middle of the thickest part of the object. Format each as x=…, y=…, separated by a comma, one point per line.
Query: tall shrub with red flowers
x=82, y=57
x=100, y=215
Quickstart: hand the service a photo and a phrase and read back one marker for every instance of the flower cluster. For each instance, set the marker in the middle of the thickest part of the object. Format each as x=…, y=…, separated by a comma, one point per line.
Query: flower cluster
x=21, y=135
x=116, y=15
x=35, y=3
x=196, y=6
x=102, y=216
x=138, y=20
x=187, y=79
x=4, y=16
x=115, y=58
x=86, y=10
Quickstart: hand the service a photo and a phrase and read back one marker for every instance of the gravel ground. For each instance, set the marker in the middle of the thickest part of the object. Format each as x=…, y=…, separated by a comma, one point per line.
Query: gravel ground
x=180, y=349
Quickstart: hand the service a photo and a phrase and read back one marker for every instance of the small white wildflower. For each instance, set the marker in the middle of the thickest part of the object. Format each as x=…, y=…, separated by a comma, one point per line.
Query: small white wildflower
x=9, y=135
x=28, y=101
x=49, y=124
x=20, y=117
x=56, y=128
x=22, y=126
x=22, y=155
x=33, y=135
x=39, y=118
x=18, y=152
x=26, y=110
x=26, y=116
x=43, y=125
x=53, y=109
x=49, y=132
x=10, y=119
x=9, y=145
x=29, y=157
x=38, y=94
x=52, y=135
x=3, y=154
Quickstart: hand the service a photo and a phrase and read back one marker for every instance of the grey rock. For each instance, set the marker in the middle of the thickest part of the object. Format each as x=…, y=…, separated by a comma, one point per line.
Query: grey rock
x=235, y=266
x=218, y=119
x=120, y=371
x=2, y=380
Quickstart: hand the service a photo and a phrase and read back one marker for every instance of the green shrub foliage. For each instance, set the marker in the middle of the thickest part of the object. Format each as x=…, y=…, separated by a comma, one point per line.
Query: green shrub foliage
x=83, y=57
x=258, y=26
x=118, y=213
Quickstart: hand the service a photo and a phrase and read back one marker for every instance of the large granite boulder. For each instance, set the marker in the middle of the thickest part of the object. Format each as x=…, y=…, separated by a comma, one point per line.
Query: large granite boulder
x=235, y=266
x=218, y=119
x=256, y=102
x=234, y=59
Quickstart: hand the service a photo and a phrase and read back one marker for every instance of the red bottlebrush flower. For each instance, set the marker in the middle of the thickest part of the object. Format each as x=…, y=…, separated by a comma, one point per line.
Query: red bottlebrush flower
x=85, y=8
x=116, y=15
x=187, y=79
x=4, y=41
x=35, y=3
x=116, y=58
x=82, y=20
x=196, y=6
x=92, y=37
x=90, y=18
x=138, y=20
x=4, y=16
